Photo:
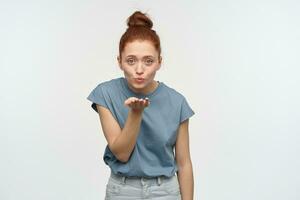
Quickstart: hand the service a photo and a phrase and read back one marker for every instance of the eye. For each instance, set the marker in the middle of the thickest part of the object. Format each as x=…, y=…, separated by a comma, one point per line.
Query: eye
x=130, y=61
x=149, y=61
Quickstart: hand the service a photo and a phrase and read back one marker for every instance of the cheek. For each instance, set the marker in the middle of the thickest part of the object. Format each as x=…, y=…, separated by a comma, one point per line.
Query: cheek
x=128, y=70
x=151, y=71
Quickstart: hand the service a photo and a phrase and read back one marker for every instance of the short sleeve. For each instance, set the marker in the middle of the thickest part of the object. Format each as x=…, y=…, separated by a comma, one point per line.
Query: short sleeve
x=98, y=96
x=186, y=111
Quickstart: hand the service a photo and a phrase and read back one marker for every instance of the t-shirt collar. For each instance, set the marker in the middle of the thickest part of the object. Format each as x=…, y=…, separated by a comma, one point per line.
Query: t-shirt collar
x=140, y=95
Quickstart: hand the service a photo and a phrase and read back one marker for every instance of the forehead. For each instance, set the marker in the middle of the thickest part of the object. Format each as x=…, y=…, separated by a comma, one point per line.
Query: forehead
x=140, y=48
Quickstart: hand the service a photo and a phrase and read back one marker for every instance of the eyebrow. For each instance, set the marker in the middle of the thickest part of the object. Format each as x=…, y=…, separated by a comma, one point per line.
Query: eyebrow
x=147, y=56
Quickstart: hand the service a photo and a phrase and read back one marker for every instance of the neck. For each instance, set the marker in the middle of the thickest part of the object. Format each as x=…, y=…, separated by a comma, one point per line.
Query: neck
x=150, y=88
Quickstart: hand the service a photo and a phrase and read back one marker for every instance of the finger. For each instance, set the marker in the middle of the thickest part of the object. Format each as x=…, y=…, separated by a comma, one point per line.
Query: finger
x=129, y=100
x=132, y=101
x=135, y=102
x=141, y=102
x=147, y=101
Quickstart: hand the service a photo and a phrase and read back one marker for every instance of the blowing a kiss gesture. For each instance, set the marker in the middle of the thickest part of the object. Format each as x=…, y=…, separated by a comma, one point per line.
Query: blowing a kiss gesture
x=137, y=104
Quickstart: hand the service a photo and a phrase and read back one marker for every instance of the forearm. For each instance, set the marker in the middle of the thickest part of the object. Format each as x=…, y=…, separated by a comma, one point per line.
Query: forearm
x=125, y=142
x=186, y=181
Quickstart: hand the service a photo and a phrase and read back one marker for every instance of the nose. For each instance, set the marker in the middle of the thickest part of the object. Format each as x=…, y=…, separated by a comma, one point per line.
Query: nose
x=139, y=69
x=139, y=73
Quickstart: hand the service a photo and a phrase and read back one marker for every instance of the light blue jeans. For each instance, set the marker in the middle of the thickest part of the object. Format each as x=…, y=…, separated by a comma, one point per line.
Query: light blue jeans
x=129, y=188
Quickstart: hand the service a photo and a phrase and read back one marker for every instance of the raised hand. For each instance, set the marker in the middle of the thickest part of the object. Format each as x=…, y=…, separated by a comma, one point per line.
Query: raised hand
x=137, y=104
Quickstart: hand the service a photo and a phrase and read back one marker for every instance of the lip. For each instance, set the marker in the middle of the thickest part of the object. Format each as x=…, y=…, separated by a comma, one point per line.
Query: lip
x=139, y=80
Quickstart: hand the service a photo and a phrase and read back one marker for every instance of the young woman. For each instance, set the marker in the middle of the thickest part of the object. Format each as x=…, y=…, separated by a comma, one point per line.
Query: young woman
x=143, y=120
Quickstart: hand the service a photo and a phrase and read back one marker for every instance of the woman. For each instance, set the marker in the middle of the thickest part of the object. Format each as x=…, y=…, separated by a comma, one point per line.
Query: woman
x=143, y=120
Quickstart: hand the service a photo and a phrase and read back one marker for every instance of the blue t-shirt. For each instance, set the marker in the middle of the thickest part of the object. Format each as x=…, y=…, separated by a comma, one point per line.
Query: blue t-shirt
x=153, y=152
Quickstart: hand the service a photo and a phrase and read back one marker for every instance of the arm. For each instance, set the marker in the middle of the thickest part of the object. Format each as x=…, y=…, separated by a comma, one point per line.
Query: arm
x=183, y=160
x=121, y=142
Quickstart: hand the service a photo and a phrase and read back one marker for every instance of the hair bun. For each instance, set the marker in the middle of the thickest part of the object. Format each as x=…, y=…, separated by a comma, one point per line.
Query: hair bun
x=139, y=19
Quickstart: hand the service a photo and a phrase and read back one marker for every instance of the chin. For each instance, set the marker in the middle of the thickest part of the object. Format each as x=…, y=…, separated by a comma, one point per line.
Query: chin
x=139, y=86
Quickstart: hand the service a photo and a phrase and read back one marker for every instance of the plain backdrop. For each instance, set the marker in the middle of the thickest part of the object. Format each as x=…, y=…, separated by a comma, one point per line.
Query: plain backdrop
x=236, y=61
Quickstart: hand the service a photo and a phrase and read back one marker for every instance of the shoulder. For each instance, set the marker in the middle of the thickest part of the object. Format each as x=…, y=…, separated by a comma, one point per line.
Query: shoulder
x=173, y=93
x=106, y=89
x=109, y=85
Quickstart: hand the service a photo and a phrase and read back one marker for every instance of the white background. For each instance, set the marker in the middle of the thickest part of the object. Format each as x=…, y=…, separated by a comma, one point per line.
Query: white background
x=237, y=62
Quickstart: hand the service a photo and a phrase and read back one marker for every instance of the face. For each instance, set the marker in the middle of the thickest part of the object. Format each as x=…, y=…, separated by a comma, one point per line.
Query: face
x=139, y=61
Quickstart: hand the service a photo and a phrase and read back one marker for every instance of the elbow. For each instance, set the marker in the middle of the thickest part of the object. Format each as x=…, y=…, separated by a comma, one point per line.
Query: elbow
x=122, y=157
x=119, y=154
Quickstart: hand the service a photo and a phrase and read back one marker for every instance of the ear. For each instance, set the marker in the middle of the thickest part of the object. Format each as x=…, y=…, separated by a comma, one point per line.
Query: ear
x=159, y=61
x=119, y=62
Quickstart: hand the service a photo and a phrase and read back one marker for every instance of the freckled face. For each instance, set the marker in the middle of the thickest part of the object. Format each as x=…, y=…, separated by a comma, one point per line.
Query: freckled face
x=139, y=61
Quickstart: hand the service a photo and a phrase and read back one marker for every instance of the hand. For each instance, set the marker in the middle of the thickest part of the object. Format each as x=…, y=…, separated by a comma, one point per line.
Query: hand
x=137, y=104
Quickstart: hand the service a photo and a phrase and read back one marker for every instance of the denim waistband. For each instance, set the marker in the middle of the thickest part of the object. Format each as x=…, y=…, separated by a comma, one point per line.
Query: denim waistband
x=141, y=181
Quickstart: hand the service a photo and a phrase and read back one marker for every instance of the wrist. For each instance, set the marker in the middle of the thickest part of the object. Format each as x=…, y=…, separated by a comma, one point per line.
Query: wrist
x=136, y=111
